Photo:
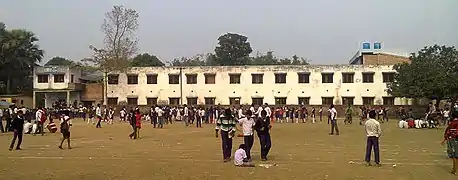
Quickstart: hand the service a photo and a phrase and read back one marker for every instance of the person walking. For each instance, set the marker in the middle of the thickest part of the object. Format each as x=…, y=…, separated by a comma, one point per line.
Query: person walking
x=262, y=127
x=333, y=119
x=17, y=124
x=226, y=124
x=98, y=114
x=373, y=133
x=65, y=124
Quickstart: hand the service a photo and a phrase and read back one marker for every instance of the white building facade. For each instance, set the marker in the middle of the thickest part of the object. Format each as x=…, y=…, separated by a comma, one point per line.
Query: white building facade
x=292, y=85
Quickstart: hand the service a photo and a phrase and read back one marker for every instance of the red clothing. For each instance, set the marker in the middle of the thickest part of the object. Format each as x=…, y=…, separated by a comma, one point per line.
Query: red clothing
x=138, y=120
x=450, y=132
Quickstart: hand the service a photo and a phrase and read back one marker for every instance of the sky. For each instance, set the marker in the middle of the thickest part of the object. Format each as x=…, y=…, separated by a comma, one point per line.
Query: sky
x=323, y=31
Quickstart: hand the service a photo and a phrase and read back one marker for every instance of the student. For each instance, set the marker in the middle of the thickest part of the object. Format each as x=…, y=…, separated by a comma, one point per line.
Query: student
x=133, y=122
x=51, y=126
x=373, y=133
x=136, y=122
x=241, y=158
x=110, y=115
x=160, y=116
x=262, y=127
x=451, y=137
x=333, y=119
x=98, y=114
x=65, y=124
x=18, y=127
x=247, y=122
x=227, y=124
x=321, y=113
x=40, y=119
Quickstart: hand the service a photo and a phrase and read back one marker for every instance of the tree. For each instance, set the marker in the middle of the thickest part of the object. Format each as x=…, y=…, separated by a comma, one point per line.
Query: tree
x=198, y=60
x=270, y=59
x=59, y=61
x=146, y=60
x=120, y=43
x=295, y=60
x=233, y=49
x=432, y=73
x=19, y=53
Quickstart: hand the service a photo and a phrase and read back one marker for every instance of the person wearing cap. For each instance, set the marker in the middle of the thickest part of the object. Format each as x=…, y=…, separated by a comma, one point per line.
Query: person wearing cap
x=451, y=137
x=373, y=133
x=226, y=124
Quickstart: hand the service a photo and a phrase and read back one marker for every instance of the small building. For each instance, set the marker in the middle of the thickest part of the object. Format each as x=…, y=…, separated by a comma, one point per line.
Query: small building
x=374, y=55
x=20, y=100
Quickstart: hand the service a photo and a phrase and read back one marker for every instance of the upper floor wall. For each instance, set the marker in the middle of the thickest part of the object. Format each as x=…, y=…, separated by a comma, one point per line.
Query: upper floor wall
x=56, y=78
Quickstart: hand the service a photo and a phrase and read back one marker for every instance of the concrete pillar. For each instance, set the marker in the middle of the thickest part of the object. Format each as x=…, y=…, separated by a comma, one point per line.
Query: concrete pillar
x=68, y=98
x=34, y=100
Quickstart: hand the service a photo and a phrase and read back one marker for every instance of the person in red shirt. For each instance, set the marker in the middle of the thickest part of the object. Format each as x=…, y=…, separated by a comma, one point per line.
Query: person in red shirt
x=451, y=137
x=136, y=121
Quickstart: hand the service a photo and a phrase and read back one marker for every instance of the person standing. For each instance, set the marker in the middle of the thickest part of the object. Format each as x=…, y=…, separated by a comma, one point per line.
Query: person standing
x=451, y=137
x=40, y=119
x=247, y=122
x=160, y=116
x=373, y=133
x=1, y=120
x=333, y=119
x=98, y=114
x=65, y=124
x=262, y=127
x=186, y=115
x=17, y=124
x=226, y=123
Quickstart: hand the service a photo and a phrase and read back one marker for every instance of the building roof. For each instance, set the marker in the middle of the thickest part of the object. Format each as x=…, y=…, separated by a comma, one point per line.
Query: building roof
x=93, y=76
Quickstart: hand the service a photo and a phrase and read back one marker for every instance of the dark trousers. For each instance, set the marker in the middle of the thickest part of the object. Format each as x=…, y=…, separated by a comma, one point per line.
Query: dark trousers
x=8, y=125
x=40, y=128
x=248, y=141
x=226, y=144
x=16, y=135
x=1, y=125
x=133, y=134
x=264, y=139
x=161, y=121
x=199, y=122
x=154, y=121
x=99, y=120
x=372, y=141
x=334, y=126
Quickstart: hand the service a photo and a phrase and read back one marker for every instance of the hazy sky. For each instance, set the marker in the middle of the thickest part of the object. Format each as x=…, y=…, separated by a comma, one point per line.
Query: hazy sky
x=323, y=31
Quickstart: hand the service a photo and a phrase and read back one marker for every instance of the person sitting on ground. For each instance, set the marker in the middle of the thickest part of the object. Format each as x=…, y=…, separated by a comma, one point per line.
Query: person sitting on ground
x=28, y=127
x=240, y=157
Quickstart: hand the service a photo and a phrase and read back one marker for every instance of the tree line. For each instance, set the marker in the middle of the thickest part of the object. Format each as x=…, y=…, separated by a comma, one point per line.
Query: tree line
x=432, y=72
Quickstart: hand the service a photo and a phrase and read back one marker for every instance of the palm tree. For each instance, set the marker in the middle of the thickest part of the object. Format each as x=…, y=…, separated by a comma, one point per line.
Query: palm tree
x=19, y=54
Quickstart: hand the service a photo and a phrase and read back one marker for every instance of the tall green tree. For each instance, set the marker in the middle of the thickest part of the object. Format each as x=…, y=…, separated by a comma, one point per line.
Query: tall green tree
x=120, y=44
x=59, y=61
x=270, y=59
x=146, y=60
x=19, y=53
x=198, y=60
x=233, y=49
x=432, y=73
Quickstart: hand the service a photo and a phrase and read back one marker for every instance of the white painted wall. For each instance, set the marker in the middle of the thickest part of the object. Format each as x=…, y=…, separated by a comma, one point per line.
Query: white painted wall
x=222, y=90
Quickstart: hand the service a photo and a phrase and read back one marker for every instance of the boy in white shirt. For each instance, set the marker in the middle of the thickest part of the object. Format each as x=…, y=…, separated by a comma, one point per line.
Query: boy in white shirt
x=247, y=124
x=240, y=157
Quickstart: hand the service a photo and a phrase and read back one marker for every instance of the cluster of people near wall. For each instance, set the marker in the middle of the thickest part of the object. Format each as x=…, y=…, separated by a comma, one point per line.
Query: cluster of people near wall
x=432, y=118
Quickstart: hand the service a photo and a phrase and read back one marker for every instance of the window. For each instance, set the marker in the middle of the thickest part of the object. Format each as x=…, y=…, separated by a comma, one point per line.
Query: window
x=174, y=79
x=257, y=78
x=368, y=100
x=234, y=101
x=303, y=100
x=348, y=77
x=112, y=101
x=303, y=78
x=257, y=101
x=151, y=101
x=174, y=101
x=210, y=78
x=132, y=101
x=191, y=100
x=209, y=101
x=72, y=78
x=151, y=79
x=280, y=100
x=42, y=78
x=132, y=79
x=327, y=100
x=280, y=78
x=347, y=100
x=234, y=78
x=113, y=79
x=191, y=78
x=388, y=101
x=368, y=77
x=327, y=77
x=388, y=77
x=59, y=78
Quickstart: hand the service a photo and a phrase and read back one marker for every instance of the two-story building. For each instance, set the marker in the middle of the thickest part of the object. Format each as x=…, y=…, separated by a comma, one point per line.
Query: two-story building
x=303, y=84
x=56, y=83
